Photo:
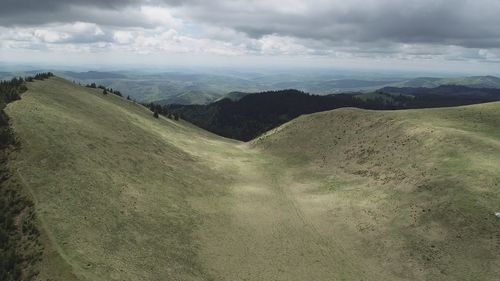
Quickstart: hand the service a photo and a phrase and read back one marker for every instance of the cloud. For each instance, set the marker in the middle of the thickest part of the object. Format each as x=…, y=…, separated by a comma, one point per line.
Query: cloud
x=465, y=23
x=78, y=32
x=118, y=13
x=20, y=7
x=377, y=29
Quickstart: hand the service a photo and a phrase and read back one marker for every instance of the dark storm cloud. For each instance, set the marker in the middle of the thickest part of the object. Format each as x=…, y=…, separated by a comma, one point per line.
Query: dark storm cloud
x=452, y=22
x=21, y=6
x=37, y=12
x=467, y=23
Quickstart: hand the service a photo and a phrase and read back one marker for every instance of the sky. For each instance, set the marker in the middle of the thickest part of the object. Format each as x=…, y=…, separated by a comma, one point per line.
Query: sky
x=366, y=34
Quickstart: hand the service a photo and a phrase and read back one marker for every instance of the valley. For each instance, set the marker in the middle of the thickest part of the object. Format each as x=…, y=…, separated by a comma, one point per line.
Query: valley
x=347, y=194
x=256, y=140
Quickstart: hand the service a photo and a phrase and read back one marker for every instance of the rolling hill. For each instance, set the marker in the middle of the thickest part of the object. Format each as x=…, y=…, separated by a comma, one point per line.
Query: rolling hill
x=346, y=194
x=234, y=96
x=166, y=87
x=450, y=91
x=93, y=75
x=191, y=97
x=418, y=187
x=470, y=81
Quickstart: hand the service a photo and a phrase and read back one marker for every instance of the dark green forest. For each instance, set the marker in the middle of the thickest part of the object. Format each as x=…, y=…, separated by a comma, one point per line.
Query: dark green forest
x=254, y=114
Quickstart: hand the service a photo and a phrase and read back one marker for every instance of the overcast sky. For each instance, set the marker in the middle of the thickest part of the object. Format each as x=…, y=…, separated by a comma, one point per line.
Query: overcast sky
x=446, y=34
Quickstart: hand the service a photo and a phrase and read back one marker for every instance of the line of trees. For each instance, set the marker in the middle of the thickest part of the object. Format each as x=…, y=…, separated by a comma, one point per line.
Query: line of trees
x=156, y=109
x=105, y=90
x=39, y=76
x=162, y=110
x=20, y=248
x=10, y=90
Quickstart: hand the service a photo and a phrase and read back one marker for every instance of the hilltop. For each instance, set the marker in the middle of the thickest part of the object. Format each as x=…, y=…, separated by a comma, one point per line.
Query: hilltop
x=347, y=194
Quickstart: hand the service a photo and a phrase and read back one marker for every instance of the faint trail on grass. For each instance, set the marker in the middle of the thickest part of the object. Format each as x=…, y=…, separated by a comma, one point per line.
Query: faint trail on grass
x=263, y=233
x=45, y=227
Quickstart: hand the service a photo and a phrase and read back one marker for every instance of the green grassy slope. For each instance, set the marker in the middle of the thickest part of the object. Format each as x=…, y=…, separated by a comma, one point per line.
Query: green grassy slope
x=416, y=190
x=340, y=195
x=111, y=183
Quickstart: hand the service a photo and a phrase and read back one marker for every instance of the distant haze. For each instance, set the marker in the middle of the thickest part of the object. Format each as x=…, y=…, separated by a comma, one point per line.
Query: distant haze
x=442, y=35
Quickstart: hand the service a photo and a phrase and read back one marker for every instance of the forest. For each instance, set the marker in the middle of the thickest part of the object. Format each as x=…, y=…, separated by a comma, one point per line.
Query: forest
x=257, y=113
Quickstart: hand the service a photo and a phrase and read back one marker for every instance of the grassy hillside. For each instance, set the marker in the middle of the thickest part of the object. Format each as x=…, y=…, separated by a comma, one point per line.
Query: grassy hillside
x=112, y=184
x=341, y=195
x=416, y=190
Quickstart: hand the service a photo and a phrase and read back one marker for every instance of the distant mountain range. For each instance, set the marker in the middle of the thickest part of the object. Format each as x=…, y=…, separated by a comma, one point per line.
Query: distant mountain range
x=443, y=90
x=167, y=87
x=355, y=86
x=473, y=82
x=439, y=86
x=204, y=88
x=93, y=75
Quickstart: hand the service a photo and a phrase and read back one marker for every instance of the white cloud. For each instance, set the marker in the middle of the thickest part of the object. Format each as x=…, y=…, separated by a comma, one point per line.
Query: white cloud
x=425, y=30
x=123, y=37
x=160, y=16
x=279, y=45
x=49, y=36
